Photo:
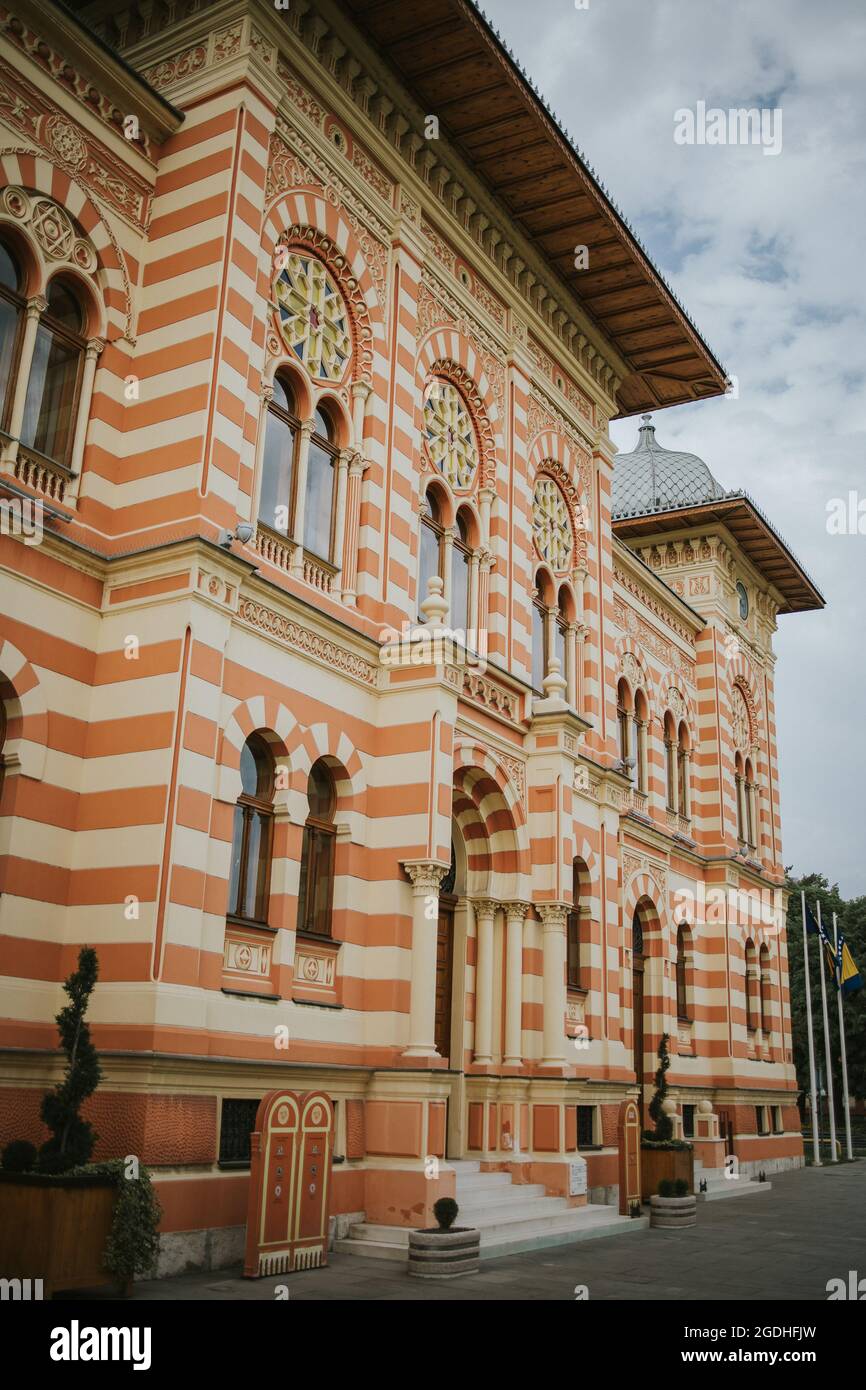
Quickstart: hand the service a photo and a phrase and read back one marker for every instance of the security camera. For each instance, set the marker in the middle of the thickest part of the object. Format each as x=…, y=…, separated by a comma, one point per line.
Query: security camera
x=243, y=533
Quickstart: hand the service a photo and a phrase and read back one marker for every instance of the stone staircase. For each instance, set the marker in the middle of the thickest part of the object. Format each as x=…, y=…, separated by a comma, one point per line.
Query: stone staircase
x=720, y=1187
x=512, y=1217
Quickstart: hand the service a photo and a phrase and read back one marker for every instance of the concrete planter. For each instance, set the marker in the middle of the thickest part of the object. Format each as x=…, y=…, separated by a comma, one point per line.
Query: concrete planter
x=435, y=1254
x=673, y=1213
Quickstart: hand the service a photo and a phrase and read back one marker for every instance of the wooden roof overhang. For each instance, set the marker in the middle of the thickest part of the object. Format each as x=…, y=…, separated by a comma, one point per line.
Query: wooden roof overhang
x=751, y=530
x=456, y=66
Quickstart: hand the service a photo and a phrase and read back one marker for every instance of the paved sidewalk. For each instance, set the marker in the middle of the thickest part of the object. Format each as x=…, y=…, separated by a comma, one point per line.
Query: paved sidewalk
x=782, y=1244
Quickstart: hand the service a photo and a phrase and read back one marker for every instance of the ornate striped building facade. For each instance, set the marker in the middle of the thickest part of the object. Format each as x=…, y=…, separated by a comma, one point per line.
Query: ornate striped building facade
x=377, y=740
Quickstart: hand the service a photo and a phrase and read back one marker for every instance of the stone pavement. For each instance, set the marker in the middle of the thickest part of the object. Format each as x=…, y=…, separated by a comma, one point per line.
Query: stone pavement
x=782, y=1244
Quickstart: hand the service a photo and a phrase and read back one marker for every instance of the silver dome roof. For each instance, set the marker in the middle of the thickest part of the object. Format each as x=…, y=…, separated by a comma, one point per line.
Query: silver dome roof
x=653, y=479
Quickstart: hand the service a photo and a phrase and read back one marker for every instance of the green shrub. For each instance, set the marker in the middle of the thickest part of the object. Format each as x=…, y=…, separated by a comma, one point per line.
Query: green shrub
x=445, y=1211
x=19, y=1156
x=666, y=1187
x=72, y=1139
x=681, y=1188
x=664, y=1126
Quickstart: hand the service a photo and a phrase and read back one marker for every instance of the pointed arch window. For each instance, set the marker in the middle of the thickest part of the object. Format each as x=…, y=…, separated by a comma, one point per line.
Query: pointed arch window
x=764, y=962
x=316, y=886
x=252, y=835
x=55, y=375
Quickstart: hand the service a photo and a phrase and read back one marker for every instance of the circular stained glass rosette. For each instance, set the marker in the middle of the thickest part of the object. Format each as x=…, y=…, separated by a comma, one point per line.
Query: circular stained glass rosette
x=551, y=525
x=450, y=435
x=740, y=721
x=313, y=317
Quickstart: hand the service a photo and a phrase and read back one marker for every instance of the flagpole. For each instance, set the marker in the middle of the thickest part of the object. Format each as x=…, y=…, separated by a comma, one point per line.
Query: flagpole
x=845, y=1099
x=827, y=1052
x=816, y=1148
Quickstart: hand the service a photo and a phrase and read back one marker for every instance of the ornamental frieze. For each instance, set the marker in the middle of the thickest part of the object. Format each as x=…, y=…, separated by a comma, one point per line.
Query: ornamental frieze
x=543, y=415
x=86, y=159
x=438, y=309
x=558, y=378
x=667, y=653
x=654, y=604
x=302, y=639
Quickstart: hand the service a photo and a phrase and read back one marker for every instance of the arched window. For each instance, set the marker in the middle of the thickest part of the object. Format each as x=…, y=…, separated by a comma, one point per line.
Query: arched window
x=252, y=837
x=749, y=798
x=460, y=557
x=319, y=502
x=577, y=926
x=55, y=375
x=741, y=798
x=12, y=308
x=316, y=887
x=751, y=986
x=683, y=790
x=430, y=546
x=764, y=961
x=2, y=746
x=670, y=762
x=276, y=501
x=623, y=709
x=682, y=975
x=641, y=713
x=539, y=638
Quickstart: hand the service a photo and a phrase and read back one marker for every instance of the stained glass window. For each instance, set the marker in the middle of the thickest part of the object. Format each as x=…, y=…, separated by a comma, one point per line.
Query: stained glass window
x=450, y=434
x=314, y=319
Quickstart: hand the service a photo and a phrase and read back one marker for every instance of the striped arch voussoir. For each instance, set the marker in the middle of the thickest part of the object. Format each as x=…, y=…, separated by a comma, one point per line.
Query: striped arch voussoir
x=447, y=353
x=634, y=668
x=38, y=174
x=643, y=885
x=30, y=747
x=303, y=220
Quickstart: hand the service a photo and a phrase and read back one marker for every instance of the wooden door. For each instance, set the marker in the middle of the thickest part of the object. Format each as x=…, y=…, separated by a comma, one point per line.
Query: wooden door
x=444, y=973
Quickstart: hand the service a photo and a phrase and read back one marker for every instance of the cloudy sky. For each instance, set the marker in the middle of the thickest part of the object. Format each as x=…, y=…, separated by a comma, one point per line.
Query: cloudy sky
x=768, y=255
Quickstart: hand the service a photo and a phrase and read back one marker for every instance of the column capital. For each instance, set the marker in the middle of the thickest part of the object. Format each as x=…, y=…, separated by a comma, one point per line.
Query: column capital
x=36, y=306
x=94, y=347
x=426, y=874
x=516, y=912
x=307, y=428
x=485, y=907
x=553, y=915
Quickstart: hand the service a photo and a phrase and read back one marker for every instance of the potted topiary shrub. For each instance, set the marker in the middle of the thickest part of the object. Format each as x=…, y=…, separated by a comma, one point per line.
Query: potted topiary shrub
x=662, y=1156
x=673, y=1206
x=444, y=1251
x=66, y=1221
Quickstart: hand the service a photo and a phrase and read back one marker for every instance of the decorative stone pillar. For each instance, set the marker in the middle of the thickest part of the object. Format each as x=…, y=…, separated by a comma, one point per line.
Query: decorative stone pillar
x=357, y=467
x=343, y=459
x=686, y=808
x=266, y=396
x=426, y=876
x=91, y=353
x=306, y=434
x=474, y=560
x=35, y=308
x=515, y=914
x=571, y=650
x=485, y=911
x=672, y=771
x=485, y=565
x=449, y=536
x=553, y=917
x=752, y=821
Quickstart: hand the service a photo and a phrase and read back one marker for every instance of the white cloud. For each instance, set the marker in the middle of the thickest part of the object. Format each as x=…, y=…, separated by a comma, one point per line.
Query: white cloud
x=766, y=255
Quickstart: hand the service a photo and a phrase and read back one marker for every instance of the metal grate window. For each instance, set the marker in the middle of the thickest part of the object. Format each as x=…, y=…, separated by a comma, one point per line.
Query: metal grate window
x=238, y=1122
x=688, y=1122
x=585, y=1126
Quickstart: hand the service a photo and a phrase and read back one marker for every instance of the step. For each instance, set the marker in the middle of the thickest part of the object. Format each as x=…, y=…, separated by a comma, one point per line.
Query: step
x=504, y=1238
x=484, y=1196
x=719, y=1191
x=480, y=1182
x=508, y=1213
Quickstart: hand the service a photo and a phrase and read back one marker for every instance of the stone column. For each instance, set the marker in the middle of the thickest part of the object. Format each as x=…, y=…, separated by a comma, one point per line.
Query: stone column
x=485, y=911
x=343, y=459
x=301, y=497
x=449, y=535
x=426, y=877
x=353, y=522
x=267, y=395
x=553, y=917
x=686, y=808
x=92, y=351
x=515, y=914
x=571, y=650
x=35, y=308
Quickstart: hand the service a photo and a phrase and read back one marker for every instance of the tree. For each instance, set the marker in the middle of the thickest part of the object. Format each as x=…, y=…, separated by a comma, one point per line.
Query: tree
x=72, y=1138
x=664, y=1125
